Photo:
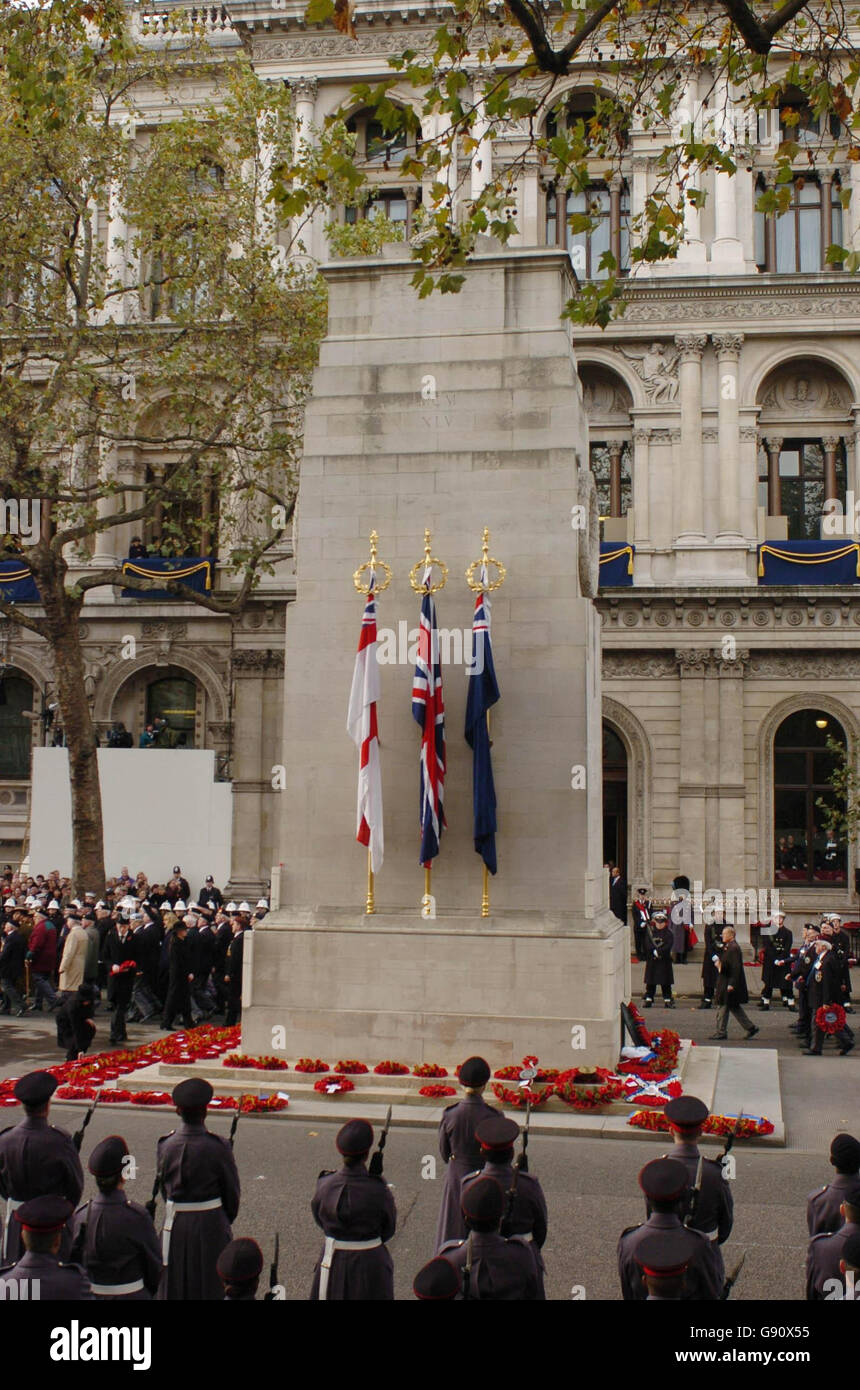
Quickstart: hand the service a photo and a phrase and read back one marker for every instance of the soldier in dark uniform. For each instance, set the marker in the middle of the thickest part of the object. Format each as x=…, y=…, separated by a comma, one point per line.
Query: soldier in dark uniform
x=667, y=1188
x=714, y=1206
x=658, y=960
x=776, y=968
x=711, y=959
x=491, y=1268
x=42, y=1222
x=198, y=1177
x=825, y=1251
x=356, y=1211
x=824, y=1205
x=437, y=1282
x=841, y=943
x=824, y=986
x=114, y=1238
x=240, y=1265
x=458, y=1146
x=525, y=1204
x=37, y=1159
x=641, y=917
x=663, y=1259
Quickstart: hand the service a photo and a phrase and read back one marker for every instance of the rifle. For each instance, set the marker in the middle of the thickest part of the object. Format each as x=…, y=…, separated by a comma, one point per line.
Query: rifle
x=732, y=1137
x=521, y=1165
x=78, y=1136
x=695, y=1194
x=732, y=1279
x=273, y=1271
x=375, y=1166
x=235, y=1125
x=467, y=1268
x=153, y=1201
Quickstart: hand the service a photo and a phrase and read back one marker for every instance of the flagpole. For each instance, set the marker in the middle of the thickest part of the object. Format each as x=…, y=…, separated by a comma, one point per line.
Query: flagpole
x=484, y=586
x=370, y=904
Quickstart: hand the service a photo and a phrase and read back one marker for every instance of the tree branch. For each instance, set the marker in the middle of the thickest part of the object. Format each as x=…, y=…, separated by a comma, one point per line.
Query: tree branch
x=784, y=15
x=13, y=611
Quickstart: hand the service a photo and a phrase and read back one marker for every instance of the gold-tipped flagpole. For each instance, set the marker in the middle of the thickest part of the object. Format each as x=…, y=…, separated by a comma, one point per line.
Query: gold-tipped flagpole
x=485, y=586
x=371, y=566
x=420, y=577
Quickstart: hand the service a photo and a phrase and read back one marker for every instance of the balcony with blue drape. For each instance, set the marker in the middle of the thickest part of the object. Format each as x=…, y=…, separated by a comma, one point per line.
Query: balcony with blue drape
x=809, y=562
x=196, y=571
x=616, y=565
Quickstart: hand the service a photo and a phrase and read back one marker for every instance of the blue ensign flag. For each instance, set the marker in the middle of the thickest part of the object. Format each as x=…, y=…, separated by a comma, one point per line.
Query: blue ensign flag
x=482, y=694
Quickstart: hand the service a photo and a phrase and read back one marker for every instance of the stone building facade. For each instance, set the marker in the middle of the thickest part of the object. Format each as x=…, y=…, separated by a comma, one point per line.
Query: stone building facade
x=724, y=408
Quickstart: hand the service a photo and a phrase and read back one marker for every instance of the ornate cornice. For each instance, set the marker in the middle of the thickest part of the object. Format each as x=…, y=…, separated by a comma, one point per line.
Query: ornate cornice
x=758, y=299
x=691, y=346
x=257, y=661
x=787, y=611
x=728, y=345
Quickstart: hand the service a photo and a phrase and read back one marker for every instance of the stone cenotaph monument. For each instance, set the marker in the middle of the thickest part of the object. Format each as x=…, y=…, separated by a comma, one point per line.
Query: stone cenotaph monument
x=453, y=413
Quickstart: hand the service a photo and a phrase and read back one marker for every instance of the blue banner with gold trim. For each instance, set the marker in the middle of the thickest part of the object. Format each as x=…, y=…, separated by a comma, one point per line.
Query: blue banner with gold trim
x=193, y=570
x=809, y=562
x=17, y=584
x=616, y=565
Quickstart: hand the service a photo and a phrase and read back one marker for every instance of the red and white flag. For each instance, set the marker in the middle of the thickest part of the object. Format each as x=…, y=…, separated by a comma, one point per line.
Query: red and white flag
x=362, y=728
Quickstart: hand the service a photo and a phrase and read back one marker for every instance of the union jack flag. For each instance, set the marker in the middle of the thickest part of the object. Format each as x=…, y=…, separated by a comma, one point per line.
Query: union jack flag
x=428, y=710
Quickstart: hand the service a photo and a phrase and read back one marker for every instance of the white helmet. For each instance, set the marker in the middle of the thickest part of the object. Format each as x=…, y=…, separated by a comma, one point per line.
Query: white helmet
x=244, y=907
x=231, y=907
x=262, y=903
x=166, y=906
x=179, y=906
x=10, y=902
x=53, y=905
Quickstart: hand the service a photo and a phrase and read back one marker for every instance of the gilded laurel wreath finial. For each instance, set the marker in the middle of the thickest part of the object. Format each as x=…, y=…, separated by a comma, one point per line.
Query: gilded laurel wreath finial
x=421, y=573
x=484, y=585
x=372, y=566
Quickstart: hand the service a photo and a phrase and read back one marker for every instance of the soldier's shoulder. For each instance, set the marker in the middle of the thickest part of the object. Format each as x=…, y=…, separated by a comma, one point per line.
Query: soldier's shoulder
x=326, y=1173
x=449, y=1108
x=7, y=1130
x=450, y=1245
x=823, y=1235
x=470, y=1177
x=628, y=1230
x=163, y=1138
x=818, y=1192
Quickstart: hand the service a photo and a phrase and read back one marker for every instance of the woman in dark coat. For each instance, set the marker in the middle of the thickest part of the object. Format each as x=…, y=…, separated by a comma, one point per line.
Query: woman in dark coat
x=354, y=1205
x=459, y=1148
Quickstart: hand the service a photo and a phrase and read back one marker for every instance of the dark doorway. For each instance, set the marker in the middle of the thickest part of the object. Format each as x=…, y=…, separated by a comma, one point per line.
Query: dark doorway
x=614, y=799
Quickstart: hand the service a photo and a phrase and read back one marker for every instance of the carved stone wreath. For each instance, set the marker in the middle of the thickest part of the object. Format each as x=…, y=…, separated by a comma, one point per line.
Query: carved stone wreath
x=589, y=538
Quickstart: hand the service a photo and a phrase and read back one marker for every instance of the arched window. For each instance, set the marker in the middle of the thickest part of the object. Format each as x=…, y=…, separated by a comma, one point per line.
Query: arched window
x=16, y=699
x=174, y=700
x=614, y=799
x=802, y=766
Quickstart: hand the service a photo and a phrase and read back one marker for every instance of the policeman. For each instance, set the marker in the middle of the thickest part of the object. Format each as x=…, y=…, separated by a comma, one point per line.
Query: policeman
x=714, y=1206
x=658, y=960
x=666, y=1186
x=663, y=1259
x=197, y=1175
x=825, y=1251
x=114, y=1238
x=525, y=1204
x=240, y=1265
x=491, y=1268
x=356, y=1211
x=38, y=1272
x=36, y=1159
x=823, y=1206
x=458, y=1146
x=437, y=1282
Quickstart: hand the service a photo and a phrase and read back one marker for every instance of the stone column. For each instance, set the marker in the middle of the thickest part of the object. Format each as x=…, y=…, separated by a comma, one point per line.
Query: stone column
x=773, y=445
x=691, y=482
x=692, y=250
x=852, y=215
x=693, y=667
x=854, y=463
x=638, y=195
x=730, y=670
x=482, y=155
x=749, y=446
x=826, y=217
x=641, y=508
x=115, y=255
x=253, y=671
x=727, y=254
x=615, y=449
x=831, y=444
x=304, y=90
x=728, y=349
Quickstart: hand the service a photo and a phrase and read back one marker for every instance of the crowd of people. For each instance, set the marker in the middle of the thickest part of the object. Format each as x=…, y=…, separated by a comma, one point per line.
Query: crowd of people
x=151, y=950
x=492, y=1226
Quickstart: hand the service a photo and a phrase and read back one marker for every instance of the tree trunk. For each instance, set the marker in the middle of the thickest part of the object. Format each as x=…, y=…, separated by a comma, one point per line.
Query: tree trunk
x=63, y=636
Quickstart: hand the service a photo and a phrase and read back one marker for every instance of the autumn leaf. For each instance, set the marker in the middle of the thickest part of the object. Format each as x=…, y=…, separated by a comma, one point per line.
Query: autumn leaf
x=342, y=18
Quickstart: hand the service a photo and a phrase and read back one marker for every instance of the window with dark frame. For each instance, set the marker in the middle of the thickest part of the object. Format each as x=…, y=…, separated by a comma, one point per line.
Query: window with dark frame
x=802, y=765
x=796, y=241
x=809, y=472
x=609, y=209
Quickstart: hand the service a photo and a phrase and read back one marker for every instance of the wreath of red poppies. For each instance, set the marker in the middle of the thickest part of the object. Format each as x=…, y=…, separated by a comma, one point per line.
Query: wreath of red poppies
x=350, y=1068
x=830, y=1019
x=334, y=1085
x=430, y=1069
x=655, y=1121
x=391, y=1069
x=241, y=1059
x=437, y=1092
